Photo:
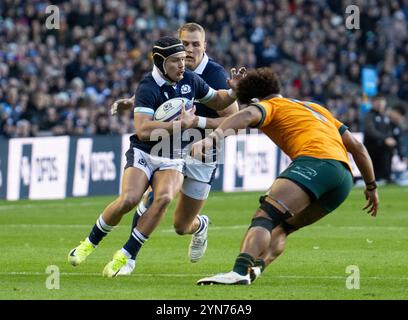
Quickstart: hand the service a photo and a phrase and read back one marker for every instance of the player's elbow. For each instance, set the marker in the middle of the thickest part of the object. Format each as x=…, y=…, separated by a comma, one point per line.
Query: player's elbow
x=220, y=101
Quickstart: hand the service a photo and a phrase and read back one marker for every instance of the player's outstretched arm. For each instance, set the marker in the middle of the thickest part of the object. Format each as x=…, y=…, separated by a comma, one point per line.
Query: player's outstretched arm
x=122, y=105
x=365, y=165
x=224, y=98
x=213, y=123
x=245, y=118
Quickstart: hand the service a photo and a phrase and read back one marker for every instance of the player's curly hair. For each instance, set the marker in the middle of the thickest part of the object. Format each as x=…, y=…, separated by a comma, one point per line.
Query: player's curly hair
x=259, y=83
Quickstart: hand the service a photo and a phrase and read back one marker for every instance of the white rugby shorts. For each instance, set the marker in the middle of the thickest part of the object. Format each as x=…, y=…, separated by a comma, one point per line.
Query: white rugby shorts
x=197, y=178
x=149, y=164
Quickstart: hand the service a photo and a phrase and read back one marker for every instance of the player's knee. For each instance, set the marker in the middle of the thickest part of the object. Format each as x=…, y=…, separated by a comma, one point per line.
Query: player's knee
x=275, y=216
x=163, y=200
x=262, y=222
x=128, y=201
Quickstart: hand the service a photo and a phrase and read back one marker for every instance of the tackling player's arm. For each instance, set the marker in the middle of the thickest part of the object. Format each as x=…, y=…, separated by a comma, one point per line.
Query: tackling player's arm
x=220, y=100
x=251, y=116
x=217, y=78
x=213, y=123
x=365, y=165
x=224, y=98
x=248, y=117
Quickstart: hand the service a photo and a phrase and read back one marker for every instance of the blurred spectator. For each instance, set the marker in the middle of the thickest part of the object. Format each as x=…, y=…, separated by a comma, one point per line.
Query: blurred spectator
x=22, y=129
x=102, y=50
x=102, y=124
x=378, y=139
x=397, y=115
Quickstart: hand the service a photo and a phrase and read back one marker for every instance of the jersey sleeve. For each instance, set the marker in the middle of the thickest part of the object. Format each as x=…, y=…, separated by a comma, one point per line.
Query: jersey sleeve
x=204, y=92
x=341, y=126
x=267, y=113
x=145, y=100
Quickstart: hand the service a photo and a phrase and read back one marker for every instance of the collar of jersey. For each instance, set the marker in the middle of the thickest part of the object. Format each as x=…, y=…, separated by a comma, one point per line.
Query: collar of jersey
x=158, y=78
x=200, y=68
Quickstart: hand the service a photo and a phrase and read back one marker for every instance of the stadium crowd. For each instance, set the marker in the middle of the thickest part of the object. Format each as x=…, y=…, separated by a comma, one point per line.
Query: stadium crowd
x=62, y=81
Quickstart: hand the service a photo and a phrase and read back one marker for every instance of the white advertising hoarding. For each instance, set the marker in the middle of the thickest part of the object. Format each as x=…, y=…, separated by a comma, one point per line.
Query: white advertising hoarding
x=250, y=163
x=37, y=168
x=82, y=167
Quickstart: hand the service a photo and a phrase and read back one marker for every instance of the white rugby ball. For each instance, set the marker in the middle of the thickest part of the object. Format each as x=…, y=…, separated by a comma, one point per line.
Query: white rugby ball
x=171, y=109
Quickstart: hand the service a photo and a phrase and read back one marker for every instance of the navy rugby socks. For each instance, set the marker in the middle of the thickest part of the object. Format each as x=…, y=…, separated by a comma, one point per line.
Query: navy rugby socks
x=99, y=231
x=242, y=264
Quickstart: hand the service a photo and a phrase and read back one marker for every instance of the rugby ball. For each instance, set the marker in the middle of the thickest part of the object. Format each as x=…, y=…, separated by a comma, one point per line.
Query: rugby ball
x=171, y=109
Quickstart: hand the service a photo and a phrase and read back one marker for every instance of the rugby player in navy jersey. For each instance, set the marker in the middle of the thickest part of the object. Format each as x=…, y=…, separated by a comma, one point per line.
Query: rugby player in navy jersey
x=162, y=170
x=198, y=175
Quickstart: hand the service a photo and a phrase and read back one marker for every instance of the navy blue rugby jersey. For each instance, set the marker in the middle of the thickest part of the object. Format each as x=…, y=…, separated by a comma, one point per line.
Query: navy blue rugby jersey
x=216, y=77
x=154, y=90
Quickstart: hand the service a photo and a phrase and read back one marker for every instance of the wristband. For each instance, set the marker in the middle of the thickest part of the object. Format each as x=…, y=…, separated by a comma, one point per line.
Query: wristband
x=232, y=94
x=202, y=122
x=370, y=186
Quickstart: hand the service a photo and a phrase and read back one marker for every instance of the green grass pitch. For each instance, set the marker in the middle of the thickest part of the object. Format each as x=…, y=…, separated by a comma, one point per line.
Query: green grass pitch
x=37, y=234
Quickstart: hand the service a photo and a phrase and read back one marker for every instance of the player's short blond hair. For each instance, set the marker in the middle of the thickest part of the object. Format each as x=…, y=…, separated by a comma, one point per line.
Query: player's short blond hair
x=191, y=27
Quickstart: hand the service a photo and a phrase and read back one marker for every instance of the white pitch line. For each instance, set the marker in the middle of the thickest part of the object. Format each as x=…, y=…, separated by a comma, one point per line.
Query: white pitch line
x=241, y=226
x=80, y=226
x=95, y=274
x=58, y=226
x=46, y=205
x=193, y=275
